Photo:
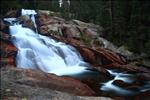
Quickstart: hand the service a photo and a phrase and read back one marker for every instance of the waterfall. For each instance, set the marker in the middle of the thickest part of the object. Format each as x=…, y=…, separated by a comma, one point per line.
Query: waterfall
x=36, y=51
x=109, y=86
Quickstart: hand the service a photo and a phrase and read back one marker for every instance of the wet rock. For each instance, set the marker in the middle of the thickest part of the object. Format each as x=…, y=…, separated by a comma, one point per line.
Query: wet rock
x=102, y=70
x=120, y=83
x=40, y=79
x=133, y=88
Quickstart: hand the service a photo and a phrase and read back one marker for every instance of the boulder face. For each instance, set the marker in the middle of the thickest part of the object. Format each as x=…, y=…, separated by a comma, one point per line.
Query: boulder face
x=87, y=32
x=24, y=84
x=40, y=79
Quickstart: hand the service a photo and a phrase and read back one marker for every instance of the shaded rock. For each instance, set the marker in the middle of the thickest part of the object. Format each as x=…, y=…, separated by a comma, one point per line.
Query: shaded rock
x=120, y=83
x=144, y=76
x=88, y=55
x=8, y=49
x=5, y=37
x=4, y=27
x=80, y=23
x=110, y=46
x=92, y=27
x=12, y=13
x=70, y=31
x=89, y=33
x=7, y=61
x=40, y=79
x=102, y=70
x=122, y=50
x=133, y=87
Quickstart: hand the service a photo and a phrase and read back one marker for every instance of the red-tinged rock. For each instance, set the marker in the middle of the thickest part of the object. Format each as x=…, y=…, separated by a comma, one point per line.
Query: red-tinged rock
x=8, y=49
x=40, y=79
x=43, y=29
x=7, y=61
x=88, y=55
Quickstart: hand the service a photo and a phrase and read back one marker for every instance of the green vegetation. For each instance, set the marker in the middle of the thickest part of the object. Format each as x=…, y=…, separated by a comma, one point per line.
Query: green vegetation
x=125, y=22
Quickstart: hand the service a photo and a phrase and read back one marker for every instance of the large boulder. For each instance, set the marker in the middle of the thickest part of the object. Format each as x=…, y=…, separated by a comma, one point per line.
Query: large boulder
x=72, y=29
x=34, y=78
x=16, y=84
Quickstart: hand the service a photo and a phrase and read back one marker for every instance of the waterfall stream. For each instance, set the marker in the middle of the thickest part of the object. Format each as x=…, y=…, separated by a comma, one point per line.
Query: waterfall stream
x=36, y=51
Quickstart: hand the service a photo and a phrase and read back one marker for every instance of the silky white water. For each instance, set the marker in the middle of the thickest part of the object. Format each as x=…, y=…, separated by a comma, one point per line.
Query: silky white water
x=40, y=52
x=110, y=87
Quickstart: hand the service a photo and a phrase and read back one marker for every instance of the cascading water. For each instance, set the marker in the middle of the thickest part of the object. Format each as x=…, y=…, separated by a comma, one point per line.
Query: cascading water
x=36, y=51
x=40, y=52
x=127, y=78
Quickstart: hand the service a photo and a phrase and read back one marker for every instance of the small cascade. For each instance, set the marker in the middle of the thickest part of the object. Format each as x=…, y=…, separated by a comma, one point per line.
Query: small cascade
x=110, y=87
x=36, y=51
